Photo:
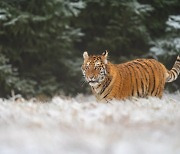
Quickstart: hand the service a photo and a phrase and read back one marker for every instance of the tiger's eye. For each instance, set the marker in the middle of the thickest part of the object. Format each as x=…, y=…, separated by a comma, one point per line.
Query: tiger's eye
x=87, y=65
x=97, y=64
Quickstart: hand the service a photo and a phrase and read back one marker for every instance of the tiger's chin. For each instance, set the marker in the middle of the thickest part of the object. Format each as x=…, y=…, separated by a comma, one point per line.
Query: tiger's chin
x=93, y=83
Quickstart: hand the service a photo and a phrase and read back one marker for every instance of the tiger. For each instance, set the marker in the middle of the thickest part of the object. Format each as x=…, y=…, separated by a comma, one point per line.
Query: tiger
x=133, y=79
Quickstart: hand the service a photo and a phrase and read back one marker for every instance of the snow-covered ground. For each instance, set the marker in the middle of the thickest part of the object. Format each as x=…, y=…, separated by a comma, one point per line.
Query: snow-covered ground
x=80, y=125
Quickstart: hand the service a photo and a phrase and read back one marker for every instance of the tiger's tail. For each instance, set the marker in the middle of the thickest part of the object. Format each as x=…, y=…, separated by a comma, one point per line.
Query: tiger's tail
x=174, y=72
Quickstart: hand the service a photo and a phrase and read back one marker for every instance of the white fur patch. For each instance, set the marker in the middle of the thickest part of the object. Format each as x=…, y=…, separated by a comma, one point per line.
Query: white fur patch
x=85, y=55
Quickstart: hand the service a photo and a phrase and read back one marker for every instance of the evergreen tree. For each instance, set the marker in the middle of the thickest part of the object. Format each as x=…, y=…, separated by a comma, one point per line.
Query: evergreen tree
x=118, y=26
x=41, y=42
x=37, y=39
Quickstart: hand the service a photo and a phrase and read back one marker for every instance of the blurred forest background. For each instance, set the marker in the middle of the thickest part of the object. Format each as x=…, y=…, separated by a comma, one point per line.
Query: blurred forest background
x=42, y=41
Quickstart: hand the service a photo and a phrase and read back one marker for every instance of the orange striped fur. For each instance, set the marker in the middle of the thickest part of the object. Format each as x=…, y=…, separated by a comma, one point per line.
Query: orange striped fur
x=139, y=78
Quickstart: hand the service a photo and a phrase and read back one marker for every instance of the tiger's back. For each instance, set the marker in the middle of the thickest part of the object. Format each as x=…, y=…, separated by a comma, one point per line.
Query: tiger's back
x=139, y=78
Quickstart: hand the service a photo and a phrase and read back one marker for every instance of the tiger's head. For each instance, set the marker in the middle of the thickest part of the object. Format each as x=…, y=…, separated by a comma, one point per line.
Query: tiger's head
x=94, y=68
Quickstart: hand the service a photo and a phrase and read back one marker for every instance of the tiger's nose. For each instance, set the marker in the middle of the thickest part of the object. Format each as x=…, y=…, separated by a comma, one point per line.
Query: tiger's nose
x=91, y=77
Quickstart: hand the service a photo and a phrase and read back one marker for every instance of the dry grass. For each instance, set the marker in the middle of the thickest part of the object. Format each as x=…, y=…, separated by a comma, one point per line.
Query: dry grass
x=82, y=126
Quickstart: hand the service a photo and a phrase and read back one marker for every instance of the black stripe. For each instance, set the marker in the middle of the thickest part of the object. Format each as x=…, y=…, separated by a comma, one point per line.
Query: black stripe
x=178, y=66
x=170, y=76
x=175, y=70
x=142, y=85
x=162, y=86
x=131, y=80
x=161, y=81
x=102, y=89
x=144, y=92
x=173, y=73
x=98, y=86
x=153, y=78
x=105, y=86
x=158, y=69
x=147, y=72
x=138, y=94
x=133, y=92
x=120, y=84
x=154, y=82
x=108, y=93
x=178, y=60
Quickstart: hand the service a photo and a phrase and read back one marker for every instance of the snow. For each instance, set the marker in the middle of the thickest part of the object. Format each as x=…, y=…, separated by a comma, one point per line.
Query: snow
x=81, y=125
x=174, y=21
x=160, y=46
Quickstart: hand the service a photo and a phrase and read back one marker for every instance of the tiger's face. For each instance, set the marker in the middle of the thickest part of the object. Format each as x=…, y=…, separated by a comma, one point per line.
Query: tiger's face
x=94, y=68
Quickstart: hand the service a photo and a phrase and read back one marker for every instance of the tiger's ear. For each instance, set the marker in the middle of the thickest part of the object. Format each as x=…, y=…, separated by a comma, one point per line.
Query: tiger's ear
x=105, y=55
x=85, y=55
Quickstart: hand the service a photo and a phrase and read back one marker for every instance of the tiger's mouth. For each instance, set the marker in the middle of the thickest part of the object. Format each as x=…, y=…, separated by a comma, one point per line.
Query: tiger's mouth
x=93, y=82
x=96, y=81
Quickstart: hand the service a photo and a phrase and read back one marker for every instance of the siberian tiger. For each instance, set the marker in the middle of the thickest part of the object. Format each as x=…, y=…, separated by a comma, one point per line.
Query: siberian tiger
x=137, y=78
